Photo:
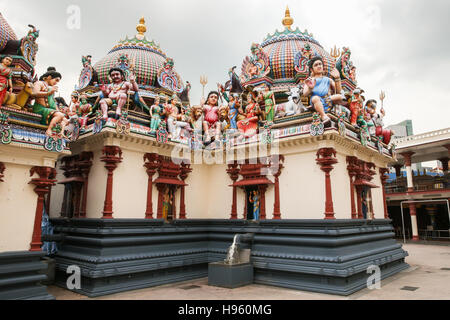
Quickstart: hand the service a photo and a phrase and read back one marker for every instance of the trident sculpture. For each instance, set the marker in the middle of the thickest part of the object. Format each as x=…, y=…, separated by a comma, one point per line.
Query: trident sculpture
x=203, y=82
x=382, y=96
x=335, y=53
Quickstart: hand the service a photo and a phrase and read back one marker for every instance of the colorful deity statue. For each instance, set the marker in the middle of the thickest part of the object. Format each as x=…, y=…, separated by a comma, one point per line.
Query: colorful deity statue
x=345, y=67
x=74, y=102
x=235, y=112
x=356, y=105
x=156, y=111
x=28, y=45
x=5, y=78
x=176, y=121
x=255, y=199
x=118, y=92
x=377, y=120
x=84, y=110
x=211, y=122
x=319, y=87
x=249, y=126
x=197, y=120
x=255, y=66
x=45, y=103
x=269, y=102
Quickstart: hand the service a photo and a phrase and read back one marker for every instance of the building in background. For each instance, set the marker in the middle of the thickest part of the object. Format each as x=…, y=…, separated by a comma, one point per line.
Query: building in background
x=423, y=192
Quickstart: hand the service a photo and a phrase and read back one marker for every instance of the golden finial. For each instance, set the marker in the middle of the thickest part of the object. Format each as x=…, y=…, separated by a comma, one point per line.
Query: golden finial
x=287, y=20
x=141, y=29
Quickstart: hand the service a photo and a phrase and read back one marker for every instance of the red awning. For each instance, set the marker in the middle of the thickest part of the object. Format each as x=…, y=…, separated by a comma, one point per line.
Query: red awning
x=251, y=182
x=365, y=183
x=170, y=181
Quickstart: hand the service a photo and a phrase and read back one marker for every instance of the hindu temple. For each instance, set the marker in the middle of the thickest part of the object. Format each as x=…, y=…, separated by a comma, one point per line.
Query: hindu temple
x=139, y=186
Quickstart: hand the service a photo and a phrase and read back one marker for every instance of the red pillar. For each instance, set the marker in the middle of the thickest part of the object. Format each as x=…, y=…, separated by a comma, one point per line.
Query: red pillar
x=412, y=212
x=85, y=164
x=326, y=160
x=359, y=201
x=383, y=178
x=185, y=170
x=160, y=188
x=111, y=160
x=151, y=164
x=276, y=203
x=43, y=184
x=407, y=157
x=262, y=202
x=245, y=204
x=2, y=169
x=233, y=171
x=352, y=169
x=444, y=162
x=398, y=172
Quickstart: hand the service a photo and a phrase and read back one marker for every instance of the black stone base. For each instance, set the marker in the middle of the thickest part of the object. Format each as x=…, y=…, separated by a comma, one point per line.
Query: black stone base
x=20, y=276
x=230, y=276
x=328, y=256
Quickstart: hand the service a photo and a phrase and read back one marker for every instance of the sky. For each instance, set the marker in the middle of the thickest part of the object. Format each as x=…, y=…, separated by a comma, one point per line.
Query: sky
x=398, y=46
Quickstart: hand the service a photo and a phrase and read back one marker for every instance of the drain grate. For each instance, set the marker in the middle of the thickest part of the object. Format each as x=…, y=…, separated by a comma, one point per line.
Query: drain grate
x=409, y=288
x=446, y=269
x=193, y=286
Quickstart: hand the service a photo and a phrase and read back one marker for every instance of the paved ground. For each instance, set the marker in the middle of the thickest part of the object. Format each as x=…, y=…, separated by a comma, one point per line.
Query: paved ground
x=426, y=274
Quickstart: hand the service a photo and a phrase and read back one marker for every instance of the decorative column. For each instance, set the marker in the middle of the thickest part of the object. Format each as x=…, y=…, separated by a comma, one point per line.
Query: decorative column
x=413, y=214
x=444, y=162
x=2, y=169
x=161, y=187
x=151, y=164
x=398, y=172
x=233, y=171
x=352, y=169
x=111, y=160
x=262, y=201
x=85, y=164
x=383, y=178
x=185, y=170
x=326, y=160
x=43, y=185
x=409, y=174
x=276, y=203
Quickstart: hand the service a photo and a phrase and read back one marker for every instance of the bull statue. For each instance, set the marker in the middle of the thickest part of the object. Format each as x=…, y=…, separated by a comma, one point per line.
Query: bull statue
x=293, y=106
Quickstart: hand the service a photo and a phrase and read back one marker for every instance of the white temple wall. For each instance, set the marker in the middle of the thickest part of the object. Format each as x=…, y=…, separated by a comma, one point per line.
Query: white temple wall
x=377, y=196
x=57, y=195
x=97, y=186
x=302, y=187
x=130, y=186
x=340, y=185
x=17, y=208
x=17, y=197
x=220, y=195
x=197, y=192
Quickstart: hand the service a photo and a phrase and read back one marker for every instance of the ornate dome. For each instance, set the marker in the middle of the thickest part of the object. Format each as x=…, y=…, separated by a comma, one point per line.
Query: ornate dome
x=286, y=54
x=145, y=58
x=6, y=32
x=284, y=50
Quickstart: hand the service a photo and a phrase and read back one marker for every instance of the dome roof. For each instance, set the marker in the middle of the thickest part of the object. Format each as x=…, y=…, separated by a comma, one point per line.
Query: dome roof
x=145, y=58
x=284, y=50
x=283, y=56
x=6, y=32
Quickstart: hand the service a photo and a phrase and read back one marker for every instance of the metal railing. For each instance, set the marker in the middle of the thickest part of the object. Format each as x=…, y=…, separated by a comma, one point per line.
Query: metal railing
x=434, y=234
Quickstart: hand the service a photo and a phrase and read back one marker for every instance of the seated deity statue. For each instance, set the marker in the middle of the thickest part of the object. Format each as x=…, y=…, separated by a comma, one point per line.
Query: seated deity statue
x=211, y=123
x=45, y=103
x=117, y=93
x=319, y=87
